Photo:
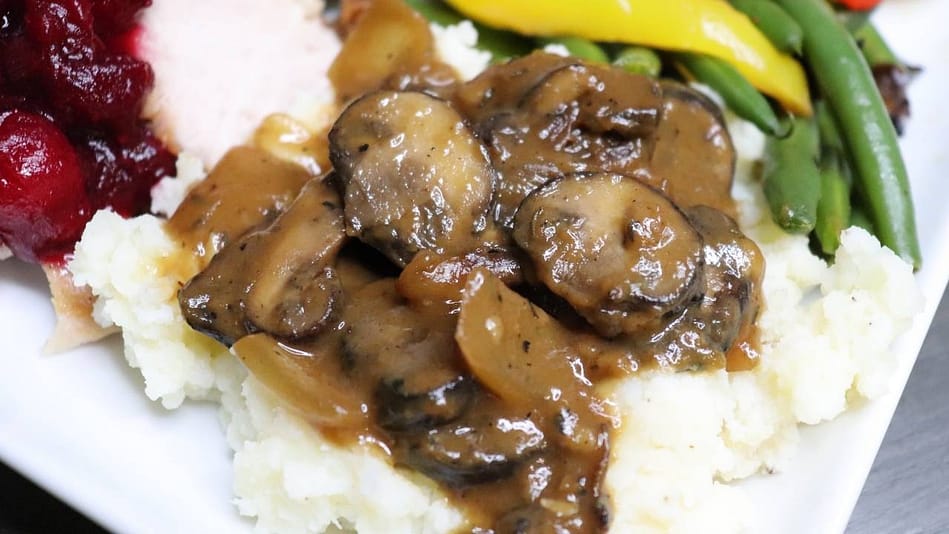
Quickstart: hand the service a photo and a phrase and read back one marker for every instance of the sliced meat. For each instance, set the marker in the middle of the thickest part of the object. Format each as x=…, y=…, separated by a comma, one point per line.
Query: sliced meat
x=693, y=160
x=73, y=306
x=620, y=252
x=216, y=80
x=407, y=187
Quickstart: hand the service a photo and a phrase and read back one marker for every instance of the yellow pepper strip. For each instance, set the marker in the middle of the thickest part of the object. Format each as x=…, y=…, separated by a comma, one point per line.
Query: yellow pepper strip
x=710, y=27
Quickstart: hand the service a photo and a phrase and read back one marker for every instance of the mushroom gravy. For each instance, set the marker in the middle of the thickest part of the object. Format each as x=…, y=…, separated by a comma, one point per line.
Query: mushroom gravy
x=480, y=262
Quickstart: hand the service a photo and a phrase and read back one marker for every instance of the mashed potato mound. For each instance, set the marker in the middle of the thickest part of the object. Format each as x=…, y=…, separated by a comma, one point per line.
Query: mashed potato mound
x=826, y=332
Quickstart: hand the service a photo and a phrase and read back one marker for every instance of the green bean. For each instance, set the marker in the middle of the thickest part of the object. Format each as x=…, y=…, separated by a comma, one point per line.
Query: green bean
x=639, y=60
x=859, y=217
x=853, y=20
x=502, y=45
x=783, y=32
x=833, y=208
x=435, y=11
x=578, y=47
x=792, y=181
x=874, y=47
x=830, y=138
x=827, y=126
x=737, y=92
x=846, y=82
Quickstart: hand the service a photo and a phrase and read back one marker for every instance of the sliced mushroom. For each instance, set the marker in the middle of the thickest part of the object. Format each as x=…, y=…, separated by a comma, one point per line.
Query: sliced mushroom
x=211, y=301
x=359, y=265
x=488, y=445
x=531, y=519
x=597, y=99
x=554, y=517
x=278, y=280
x=621, y=253
x=409, y=188
x=694, y=159
x=733, y=275
x=717, y=330
x=402, y=409
x=296, y=293
x=578, y=118
x=500, y=88
x=409, y=356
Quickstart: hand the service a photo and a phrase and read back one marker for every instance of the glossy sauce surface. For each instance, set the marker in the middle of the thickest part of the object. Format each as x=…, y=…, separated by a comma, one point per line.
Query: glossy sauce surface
x=457, y=289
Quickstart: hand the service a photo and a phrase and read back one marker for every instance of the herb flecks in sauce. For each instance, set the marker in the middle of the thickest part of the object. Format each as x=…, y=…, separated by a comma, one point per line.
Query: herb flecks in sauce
x=538, y=232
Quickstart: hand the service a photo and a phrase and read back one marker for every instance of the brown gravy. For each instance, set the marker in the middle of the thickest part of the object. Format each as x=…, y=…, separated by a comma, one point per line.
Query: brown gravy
x=475, y=360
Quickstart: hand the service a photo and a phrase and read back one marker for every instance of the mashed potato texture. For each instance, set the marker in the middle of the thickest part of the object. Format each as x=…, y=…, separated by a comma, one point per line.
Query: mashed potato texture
x=686, y=437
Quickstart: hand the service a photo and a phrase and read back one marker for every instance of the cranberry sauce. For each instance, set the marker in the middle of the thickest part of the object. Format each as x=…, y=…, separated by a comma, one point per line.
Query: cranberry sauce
x=71, y=137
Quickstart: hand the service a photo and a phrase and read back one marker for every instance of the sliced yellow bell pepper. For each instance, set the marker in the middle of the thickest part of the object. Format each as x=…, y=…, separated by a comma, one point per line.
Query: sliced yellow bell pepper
x=710, y=27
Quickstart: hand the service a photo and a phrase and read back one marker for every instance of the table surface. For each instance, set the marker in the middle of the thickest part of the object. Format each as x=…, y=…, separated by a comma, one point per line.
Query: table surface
x=907, y=490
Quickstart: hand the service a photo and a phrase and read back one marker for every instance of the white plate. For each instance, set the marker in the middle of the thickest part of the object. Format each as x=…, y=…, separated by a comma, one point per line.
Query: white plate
x=79, y=424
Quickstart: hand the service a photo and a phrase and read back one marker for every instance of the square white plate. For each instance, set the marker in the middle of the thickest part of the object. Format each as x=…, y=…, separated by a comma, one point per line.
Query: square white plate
x=79, y=425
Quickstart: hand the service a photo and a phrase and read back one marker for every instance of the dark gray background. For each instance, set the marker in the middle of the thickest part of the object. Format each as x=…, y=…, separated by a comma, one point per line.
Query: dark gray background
x=907, y=491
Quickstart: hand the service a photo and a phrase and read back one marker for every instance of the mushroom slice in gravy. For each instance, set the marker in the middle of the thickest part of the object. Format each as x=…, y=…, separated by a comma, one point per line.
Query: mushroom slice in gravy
x=597, y=99
x=617, y=250
x=693, y=160
x=406, y=407
x=414, y=177
x=296, y=292
x=408, y=356
x=487, y=446
x=500, y=88
x=278, y=280
x=578, y=118
x=734, y=270
x=717, y=330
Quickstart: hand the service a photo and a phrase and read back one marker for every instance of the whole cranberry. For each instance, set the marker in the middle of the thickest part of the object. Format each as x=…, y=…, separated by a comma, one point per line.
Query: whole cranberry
x=121, y=170
x=43, y=204
x=107, y=91
x=54, y=22
x=113, y=17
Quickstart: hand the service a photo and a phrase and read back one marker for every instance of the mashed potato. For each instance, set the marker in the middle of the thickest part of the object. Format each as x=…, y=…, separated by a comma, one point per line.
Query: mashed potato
x=685, y=439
